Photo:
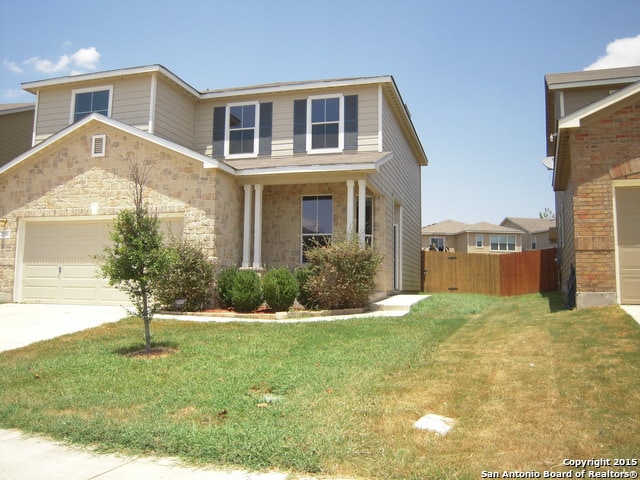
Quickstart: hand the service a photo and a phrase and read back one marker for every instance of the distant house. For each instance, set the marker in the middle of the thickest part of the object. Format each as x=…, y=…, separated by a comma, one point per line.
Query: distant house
x=593, y=146
x=539, y=233
x=16, y=130
x=253, y=174
x=479, y=237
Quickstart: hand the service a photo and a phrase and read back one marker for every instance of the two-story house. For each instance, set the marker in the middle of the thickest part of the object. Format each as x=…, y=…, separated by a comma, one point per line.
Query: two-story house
x=253, y=174
x=480, y=237
x=593, y=142
x=539, y=233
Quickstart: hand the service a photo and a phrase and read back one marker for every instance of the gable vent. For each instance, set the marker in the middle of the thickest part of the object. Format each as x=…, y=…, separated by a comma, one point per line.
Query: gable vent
x=98, y=145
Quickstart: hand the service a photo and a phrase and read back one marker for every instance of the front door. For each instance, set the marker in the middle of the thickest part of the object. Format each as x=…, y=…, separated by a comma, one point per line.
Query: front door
x=628, y=243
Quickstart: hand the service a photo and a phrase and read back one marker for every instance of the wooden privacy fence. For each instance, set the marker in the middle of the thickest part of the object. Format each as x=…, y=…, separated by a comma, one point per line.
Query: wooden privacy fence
x=506, y=274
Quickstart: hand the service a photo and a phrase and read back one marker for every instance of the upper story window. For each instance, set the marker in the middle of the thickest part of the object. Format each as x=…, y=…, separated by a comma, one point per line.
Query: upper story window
x=534, y=242
x=325, y=124
x=479, y=240
x=241, y=135
x=242, y=130
x=325, y=119
x=503, y=242
x=89, y=100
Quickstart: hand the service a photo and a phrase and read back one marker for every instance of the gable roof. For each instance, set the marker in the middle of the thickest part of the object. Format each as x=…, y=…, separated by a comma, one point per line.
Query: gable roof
x=590, y=113
x=531, y=225
x=207, y=162
x=451, y=227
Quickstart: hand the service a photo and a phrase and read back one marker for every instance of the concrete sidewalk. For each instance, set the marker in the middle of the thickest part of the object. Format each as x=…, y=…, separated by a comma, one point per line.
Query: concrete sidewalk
x=33, y=458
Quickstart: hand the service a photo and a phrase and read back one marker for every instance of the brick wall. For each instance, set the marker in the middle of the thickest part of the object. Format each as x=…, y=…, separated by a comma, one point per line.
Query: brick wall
x=600, y=152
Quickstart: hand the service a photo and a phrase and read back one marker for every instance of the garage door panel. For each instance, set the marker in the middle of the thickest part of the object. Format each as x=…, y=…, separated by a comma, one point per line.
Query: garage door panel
x=58, y=264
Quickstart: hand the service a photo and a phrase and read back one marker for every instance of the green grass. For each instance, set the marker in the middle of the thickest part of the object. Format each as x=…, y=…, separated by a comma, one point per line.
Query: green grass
x=529, y=384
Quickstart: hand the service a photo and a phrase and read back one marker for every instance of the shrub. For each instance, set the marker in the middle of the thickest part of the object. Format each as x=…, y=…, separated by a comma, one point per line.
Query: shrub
x=246, y=292
x=302, y=275
x=189, y=277
x=225, y=284
x=342, y=274
x=280, y=289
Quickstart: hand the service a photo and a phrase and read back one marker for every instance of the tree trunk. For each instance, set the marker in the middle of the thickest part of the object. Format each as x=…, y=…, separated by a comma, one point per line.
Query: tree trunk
x=147, y=321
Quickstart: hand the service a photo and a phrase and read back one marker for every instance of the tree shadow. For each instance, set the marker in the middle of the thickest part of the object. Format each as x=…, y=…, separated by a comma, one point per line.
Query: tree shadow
x=158, y=350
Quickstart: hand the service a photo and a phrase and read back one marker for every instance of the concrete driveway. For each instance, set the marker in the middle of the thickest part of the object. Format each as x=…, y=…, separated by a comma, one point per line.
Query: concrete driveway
x=22, y=324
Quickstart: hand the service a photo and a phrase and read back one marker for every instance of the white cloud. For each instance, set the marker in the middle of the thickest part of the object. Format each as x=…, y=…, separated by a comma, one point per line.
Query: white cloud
x=623, y=52
x=12, y=66
x=86, y=58
x=79, y=62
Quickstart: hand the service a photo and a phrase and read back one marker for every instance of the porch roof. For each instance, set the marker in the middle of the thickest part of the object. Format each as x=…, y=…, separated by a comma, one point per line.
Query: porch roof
x=360, y=162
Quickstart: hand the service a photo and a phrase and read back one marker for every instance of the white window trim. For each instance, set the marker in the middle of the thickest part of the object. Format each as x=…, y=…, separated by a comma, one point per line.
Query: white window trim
x=515, y=246
x=340, y=148
x=256, y=131
x=98, y=142
x=76, y=91
x=480, y=236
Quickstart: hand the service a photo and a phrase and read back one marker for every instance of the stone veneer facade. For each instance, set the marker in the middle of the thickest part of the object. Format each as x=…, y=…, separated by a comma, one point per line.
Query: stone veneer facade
x=63, y=182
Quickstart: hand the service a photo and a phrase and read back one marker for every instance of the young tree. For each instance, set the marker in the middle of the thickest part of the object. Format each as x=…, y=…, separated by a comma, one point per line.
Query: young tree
x=137, y=257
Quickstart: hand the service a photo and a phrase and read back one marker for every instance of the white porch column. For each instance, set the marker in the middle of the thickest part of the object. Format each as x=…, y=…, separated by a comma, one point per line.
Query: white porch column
x=257, y=228
x=362, y=206
x=350, y=207
x=246, y=239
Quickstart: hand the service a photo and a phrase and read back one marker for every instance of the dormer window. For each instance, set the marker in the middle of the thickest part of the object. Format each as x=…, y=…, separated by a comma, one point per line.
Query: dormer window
x=89, y=100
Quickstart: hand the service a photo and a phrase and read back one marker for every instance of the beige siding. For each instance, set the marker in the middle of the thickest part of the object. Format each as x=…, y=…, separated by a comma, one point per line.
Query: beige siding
x=175, y=115
x=576, y=99
x=131, y=100
x=15, y=134
x=399, y=183
x=282, y=141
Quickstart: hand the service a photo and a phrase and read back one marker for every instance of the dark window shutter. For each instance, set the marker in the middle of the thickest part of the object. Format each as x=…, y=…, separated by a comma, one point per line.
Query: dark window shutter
x=300, y=126
x=351, y=122
x=266, y=114
x=218, y=131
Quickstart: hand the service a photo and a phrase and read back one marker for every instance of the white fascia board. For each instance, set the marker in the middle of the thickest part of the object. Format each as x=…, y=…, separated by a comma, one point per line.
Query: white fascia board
x=34, y=86
x=364, y=167
x=207, y=162
x=292, y=87
x=573, y=120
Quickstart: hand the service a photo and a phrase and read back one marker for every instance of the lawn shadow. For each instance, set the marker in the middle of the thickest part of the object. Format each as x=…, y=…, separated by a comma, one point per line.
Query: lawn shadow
x=555, y=300
x=158, y=349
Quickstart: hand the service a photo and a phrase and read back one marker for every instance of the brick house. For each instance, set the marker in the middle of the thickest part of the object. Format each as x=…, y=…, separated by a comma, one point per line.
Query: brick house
x=593, y=137
x=252, y=173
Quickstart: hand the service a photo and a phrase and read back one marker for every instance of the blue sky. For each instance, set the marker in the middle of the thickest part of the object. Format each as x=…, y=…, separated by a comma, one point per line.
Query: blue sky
x=471, y=72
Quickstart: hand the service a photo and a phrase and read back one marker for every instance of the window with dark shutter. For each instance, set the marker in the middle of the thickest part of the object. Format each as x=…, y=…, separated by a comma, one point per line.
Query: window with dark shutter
x=351, y=122
x=266, y=115
x=300, y=125
x=218, y=131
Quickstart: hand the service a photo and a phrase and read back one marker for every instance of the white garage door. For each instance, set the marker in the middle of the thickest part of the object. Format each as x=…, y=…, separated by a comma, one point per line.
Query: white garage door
x=628, y=235
x=58, y=264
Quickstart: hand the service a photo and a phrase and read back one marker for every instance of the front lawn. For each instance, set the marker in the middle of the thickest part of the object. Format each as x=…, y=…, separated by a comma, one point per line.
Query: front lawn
x=529, y=385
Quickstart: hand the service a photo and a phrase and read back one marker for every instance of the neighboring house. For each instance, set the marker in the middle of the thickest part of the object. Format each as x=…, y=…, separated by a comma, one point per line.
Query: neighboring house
x=539, y=233
x=16, y=130
x=479, y=237
x=253, y=174
x=593, y=144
